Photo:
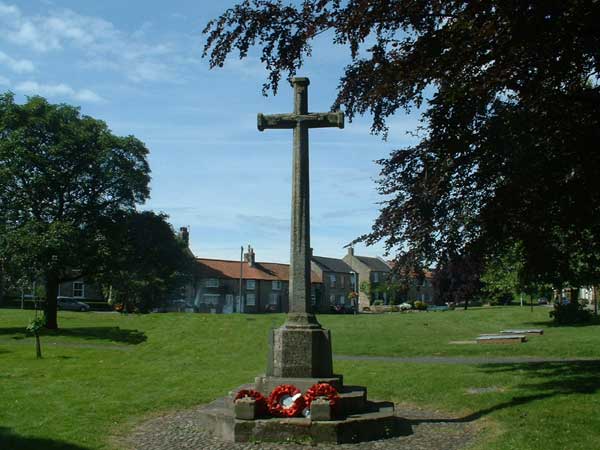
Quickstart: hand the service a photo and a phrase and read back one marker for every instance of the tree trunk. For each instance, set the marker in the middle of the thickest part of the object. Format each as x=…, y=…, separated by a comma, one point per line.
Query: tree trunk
x=50, y=306
x=574, y=295
x=38, y=347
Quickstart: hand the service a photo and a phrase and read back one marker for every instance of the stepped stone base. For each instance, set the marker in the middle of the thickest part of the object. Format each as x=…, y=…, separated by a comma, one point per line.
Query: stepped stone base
x=376, y=421
x=266, y=384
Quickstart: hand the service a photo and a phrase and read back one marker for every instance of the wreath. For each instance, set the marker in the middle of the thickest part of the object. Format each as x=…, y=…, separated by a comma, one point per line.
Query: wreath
x=322, y=390
x=261, y=401
x=286, y=401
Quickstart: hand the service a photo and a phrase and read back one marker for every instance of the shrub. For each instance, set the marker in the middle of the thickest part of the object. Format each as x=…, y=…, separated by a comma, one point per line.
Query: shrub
x=405, y=306
x=570, y=313
x=421, y=306
x=378, y=303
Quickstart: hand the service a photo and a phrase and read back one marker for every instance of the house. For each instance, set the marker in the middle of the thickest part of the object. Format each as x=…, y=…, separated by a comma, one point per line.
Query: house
x=339, y=281
x=372, y=273
x=264, y=285
x=378, y=283
x=83, y=291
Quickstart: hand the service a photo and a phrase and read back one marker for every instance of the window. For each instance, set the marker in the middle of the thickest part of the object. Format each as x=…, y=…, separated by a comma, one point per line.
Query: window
x=211, y=299
x=250, y=299
x=78, y=289
x=211, y=282
x=375, y=277
x=353, y=277
x=332, y=280
x=342, y=299
x=342, y=280
x=276, y=285
x=250, y=285
x=274, y=298
x=332, y=299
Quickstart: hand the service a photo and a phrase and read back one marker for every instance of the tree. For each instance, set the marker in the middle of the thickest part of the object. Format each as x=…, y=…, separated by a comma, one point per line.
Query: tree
x=510, y=122
x=146, y=263
x=502, y=276
x=457, y=278
x=64, y=180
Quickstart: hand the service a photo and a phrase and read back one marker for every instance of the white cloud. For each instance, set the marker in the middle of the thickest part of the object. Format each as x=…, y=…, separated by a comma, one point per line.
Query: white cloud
x=16, y=65
x=58, y=90
x=101, y=43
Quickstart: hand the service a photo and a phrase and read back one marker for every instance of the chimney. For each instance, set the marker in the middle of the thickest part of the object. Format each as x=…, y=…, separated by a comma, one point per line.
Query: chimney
x=249, y=257
x=350, y=251
x=184, y=235
x=310, y=253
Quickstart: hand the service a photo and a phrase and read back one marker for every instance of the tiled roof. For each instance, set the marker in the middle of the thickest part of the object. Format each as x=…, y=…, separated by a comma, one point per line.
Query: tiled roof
x=220, y=268
x=374, y=263
x=332, y=264
x=427, y=273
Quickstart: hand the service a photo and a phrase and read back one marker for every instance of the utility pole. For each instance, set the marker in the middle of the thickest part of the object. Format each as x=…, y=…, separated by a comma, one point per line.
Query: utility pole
x=239, y=301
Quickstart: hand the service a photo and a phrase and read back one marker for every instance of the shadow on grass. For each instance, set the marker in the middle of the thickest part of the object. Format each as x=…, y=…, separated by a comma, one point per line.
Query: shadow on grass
x=559, y=378
x=12, y=441
x=113, y=334
x=595, y=322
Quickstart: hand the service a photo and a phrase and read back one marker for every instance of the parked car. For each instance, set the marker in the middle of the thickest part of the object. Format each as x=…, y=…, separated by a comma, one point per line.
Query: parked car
x=69, y=304
x=542, y=301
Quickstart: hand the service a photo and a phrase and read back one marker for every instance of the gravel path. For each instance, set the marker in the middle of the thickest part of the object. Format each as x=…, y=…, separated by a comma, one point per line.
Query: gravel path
x=180, y=431
x=460, y=359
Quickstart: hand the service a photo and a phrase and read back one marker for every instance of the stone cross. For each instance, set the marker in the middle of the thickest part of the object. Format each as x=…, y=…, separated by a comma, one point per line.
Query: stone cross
x=300, y=312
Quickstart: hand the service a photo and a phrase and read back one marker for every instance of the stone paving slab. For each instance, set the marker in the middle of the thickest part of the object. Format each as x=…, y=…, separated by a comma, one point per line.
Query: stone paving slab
x=182, y=431
x=527, y=331
x=501, y=339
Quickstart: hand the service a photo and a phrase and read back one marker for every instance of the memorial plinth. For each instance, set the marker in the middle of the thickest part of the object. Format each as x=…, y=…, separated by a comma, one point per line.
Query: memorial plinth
x=300, y=351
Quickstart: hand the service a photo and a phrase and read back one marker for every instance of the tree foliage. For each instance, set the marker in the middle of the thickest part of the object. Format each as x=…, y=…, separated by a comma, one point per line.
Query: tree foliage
x=457, y=279
x=510, y=121
x=64, y=181
x=146, y=262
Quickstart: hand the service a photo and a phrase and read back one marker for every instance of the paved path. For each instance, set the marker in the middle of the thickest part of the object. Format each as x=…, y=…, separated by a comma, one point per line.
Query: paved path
x=461, y=359
x=181, y=430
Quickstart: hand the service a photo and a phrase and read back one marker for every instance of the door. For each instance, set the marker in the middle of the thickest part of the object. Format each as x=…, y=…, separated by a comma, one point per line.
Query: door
x=228, y=306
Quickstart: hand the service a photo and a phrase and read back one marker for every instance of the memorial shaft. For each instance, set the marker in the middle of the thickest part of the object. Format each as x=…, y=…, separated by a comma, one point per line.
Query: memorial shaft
x=301, y=348
x=300, y=282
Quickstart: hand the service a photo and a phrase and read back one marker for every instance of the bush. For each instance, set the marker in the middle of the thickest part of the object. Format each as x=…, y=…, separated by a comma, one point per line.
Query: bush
x=570, y=314
x=405, y=306
x=420, y=306
x=378, y=303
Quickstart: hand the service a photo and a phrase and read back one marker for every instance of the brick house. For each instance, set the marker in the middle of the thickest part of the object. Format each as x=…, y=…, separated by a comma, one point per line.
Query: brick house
x=265, y=286
x=339, y=280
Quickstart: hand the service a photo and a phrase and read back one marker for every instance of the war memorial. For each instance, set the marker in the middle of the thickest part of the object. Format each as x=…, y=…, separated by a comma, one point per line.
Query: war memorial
x=300, y=398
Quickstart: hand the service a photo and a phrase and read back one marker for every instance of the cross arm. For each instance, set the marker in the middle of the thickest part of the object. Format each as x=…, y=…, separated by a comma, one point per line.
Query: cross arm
x=310, y=120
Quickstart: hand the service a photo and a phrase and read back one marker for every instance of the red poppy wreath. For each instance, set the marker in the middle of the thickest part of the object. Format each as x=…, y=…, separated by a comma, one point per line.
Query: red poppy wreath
x=286, y=401
x=322, y=390
x=261, y=401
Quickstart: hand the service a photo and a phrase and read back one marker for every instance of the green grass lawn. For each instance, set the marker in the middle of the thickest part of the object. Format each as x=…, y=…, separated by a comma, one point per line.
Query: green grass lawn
x=103, y=373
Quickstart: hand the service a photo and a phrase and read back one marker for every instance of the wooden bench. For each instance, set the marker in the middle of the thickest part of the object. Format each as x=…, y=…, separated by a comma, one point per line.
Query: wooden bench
x=501, y=339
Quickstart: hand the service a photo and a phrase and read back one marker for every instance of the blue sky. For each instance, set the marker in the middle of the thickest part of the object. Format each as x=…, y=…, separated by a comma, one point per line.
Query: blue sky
x=137, y=65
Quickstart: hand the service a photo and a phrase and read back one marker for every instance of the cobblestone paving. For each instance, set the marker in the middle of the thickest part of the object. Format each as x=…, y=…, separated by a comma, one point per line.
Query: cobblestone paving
x=181, y=431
